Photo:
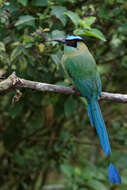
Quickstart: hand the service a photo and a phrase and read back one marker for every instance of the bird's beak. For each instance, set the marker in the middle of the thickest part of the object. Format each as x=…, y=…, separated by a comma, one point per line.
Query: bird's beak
x=59, y=40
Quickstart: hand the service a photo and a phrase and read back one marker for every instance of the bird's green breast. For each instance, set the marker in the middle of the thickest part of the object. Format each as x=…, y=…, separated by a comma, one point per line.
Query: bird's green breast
x=81, y=65
x=81, y=69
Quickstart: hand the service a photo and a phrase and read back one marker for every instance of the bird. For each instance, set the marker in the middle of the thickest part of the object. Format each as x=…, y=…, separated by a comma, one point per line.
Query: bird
x=80, y=67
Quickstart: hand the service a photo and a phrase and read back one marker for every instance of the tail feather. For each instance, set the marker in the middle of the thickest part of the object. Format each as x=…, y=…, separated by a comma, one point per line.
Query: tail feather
x=90, y=115
x=113, y=174
x=96, y=119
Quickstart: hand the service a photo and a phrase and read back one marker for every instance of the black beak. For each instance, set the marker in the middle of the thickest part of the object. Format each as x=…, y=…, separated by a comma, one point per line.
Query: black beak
x=59, y=40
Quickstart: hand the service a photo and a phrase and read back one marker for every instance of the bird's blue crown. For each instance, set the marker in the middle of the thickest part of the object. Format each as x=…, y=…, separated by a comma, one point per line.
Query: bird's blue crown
x=73, y=37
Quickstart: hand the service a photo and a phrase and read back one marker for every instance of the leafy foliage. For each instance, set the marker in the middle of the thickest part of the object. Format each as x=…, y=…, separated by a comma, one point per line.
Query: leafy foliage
x=45, y=137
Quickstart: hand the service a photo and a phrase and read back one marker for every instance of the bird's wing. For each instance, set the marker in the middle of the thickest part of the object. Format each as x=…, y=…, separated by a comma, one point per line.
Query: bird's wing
x=83, y=72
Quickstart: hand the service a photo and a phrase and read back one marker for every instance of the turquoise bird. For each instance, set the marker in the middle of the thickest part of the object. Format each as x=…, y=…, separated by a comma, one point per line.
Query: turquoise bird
x=80, y=67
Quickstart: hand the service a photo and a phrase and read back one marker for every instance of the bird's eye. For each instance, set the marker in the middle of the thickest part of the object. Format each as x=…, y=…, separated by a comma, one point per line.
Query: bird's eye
x=72, y=43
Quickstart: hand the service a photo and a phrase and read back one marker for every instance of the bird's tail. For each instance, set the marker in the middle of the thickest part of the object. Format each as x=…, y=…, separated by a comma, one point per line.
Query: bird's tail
x=96, y=119
x=113, y=174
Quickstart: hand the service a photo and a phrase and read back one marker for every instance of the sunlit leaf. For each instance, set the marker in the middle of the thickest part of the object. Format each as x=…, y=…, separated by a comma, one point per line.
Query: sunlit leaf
x=93, y=32
x=41, y=47
x=87, y=22
x=90, y=20
x=26, y=20
x=2, y=47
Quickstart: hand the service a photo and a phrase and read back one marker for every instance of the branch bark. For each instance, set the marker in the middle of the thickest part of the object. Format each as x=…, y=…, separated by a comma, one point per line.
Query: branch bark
x=13, y=82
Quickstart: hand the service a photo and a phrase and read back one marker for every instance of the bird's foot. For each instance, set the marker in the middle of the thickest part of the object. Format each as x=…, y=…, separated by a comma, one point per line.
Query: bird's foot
x=15, y=80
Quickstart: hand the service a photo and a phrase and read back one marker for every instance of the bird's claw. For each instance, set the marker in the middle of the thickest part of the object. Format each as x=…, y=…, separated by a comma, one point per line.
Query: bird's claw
x=15, y=80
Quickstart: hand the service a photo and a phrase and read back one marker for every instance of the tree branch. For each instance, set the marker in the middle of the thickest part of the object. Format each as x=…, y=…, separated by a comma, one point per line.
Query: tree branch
x=13, y=82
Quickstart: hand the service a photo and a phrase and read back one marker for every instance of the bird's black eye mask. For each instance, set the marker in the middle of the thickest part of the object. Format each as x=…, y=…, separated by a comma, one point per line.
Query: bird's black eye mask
x=72, y=43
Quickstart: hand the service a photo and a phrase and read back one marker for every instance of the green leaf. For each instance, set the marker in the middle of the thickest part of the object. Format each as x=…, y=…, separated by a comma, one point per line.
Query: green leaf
x=84, y=25
x=26, y=20
x=77, y=171
x=95, y=33
x=90, y=32
x=1, y=1
x=87, y=174
x=68, y=170
x=96, y=185
x=58, y=34
x=15, y=53
x=70, y=106
x=2, y=46
x=58, y=11
x=119, y=1
x=40, y=3
x=87, y=22
x=90, y=20
x=23, y=2
x=73, y=16
x=23, y=63
x=103, y=14
x=57, y=57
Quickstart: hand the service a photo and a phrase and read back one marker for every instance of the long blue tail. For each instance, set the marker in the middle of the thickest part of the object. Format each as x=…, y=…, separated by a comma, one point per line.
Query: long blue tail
x=113, y=174
x=96, y=119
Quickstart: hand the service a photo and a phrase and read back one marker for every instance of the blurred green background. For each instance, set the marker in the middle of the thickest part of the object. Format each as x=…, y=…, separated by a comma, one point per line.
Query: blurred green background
x=46, y=138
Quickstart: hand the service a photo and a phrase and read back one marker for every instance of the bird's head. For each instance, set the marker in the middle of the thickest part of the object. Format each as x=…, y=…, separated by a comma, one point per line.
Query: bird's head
x=72, y=42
